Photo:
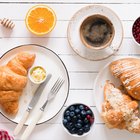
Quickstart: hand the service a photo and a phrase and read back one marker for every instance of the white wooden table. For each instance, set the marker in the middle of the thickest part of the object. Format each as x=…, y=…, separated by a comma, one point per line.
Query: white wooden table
x=82, y=72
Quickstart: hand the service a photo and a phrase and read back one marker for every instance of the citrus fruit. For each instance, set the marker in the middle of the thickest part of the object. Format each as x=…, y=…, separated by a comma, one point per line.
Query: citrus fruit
x=40, y=19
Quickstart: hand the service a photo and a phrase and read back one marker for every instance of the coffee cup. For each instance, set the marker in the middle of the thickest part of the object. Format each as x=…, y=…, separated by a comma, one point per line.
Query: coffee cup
x=96, y=32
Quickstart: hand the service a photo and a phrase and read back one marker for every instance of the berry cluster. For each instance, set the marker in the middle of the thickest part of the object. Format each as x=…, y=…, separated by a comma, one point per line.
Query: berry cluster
x=136, y=30
x=78, y=119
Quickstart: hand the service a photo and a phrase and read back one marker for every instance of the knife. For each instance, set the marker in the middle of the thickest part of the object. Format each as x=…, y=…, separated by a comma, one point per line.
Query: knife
x=52, y=94
x=32, y=103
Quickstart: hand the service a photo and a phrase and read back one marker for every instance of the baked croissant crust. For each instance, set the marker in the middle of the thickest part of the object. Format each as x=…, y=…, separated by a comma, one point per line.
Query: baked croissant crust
x=119, y=110
x=128, y=71
x=13, y=79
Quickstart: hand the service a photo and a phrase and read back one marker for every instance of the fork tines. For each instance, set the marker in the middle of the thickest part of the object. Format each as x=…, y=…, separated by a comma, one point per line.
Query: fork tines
x=57, y=85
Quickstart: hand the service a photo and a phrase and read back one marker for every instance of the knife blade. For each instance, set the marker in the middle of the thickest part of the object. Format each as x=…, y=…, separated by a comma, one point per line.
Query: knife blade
x=31, y=105
x=38, y=93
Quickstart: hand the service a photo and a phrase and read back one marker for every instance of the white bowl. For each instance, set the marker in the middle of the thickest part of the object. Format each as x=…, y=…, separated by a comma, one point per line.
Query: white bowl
x=76, y=135
x=30, y=77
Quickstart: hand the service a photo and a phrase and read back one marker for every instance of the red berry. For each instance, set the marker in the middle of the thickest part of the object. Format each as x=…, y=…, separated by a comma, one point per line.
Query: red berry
x=91, y=120
x=86, y=108
x=88, y=117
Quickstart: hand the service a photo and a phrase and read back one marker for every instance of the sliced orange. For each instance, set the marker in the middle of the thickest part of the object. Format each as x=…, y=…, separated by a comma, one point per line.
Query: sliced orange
x=40, y=19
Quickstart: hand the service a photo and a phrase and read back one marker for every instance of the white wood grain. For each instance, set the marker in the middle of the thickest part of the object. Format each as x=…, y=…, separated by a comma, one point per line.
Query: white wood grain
x=61, y=45
x=66, y=11
x=81, y=71
x=99, y=132
x=76, y=1
x=60, y=30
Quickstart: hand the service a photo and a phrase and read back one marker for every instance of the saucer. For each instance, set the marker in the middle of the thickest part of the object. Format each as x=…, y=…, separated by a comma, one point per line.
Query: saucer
x=74, y=35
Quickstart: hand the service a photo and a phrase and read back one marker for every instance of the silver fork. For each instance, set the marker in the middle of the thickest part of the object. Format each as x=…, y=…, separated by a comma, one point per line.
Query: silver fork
x=54, y=90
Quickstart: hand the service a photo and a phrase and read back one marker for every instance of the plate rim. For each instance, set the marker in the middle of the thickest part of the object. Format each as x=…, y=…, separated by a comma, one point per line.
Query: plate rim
x=41, y=46
x=69, y=38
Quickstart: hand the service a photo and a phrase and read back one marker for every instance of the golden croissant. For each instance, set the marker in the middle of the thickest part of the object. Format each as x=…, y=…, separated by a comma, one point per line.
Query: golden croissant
x=119, y=110
x=13, y=79
x=128, y=71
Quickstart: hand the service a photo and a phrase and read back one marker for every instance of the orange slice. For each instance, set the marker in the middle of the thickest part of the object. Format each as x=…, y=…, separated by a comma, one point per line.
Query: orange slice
x=40, y=19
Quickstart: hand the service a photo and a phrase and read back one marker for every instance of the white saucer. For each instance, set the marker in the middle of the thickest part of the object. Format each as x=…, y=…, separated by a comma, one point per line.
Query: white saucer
x=74, y=36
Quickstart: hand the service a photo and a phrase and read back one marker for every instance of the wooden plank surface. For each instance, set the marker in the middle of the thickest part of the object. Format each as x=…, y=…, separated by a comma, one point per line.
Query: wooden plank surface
x=82, y=72
x=74, y=1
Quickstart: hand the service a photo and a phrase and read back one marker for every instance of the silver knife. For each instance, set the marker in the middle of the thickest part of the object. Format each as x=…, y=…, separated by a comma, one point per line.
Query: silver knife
x=32, y=103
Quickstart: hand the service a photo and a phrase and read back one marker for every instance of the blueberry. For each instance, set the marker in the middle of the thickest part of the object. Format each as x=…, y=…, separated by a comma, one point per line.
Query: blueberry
x=74, y=119
x=65, y=121
x=86, y=121
x=88, y=112
x=79, y=116
x=69, y=125
x=86, y=128
x=80, y=131
x=73, y=131
x=67, y=113
x=72, y=114
x=79, y=121
x=68, y=118
x=83, y=113
x=77, y=111
x=78, y=125
x=81, y=107
x=72, y=108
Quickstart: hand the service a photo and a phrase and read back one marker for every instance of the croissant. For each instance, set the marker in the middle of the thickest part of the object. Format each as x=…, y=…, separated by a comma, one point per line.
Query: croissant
x=13, y=79
x=128, y=71
x=119, y=110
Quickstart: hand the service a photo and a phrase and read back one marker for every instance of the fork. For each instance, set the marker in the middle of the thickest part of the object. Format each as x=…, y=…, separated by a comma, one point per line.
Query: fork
x=54, y=90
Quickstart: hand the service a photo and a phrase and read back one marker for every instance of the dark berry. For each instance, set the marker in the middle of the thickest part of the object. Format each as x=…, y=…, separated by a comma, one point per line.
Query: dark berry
x=91, y=120
x=68, y=118
x=73, y=130
x=79, y=116
x=88, y=117
x=86, y=121
x=86, y=128
x=81, y=107
x=79, y=121
x=67, y=113
x=78, y=125
x=72, y=108
x=88, y=112
x=74, y=119
x=72, y=114
x=77, y=111
x=69, y=125
x=86, y=108
x=83, y=113
x=65, y=121
x=80, y=131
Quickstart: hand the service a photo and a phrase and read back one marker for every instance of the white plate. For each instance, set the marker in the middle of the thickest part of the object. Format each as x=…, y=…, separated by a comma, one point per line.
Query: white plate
x=100, y=81
x=74, y=37
x=54, y=65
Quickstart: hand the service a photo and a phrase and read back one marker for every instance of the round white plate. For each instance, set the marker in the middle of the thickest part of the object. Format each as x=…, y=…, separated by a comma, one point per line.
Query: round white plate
x=74, y=35
x=100, y=81
x=53, y=65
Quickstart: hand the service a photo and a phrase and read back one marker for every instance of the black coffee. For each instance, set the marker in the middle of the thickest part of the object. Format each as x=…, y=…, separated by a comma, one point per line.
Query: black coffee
x=97, y=31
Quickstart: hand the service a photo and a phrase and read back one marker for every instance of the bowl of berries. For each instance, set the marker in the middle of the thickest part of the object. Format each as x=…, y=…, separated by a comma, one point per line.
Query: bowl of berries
x=78, y=119
x=136, y=31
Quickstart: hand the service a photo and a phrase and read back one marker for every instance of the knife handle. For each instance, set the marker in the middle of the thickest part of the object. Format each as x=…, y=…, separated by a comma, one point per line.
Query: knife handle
x=31, y=126
x=21, y=123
